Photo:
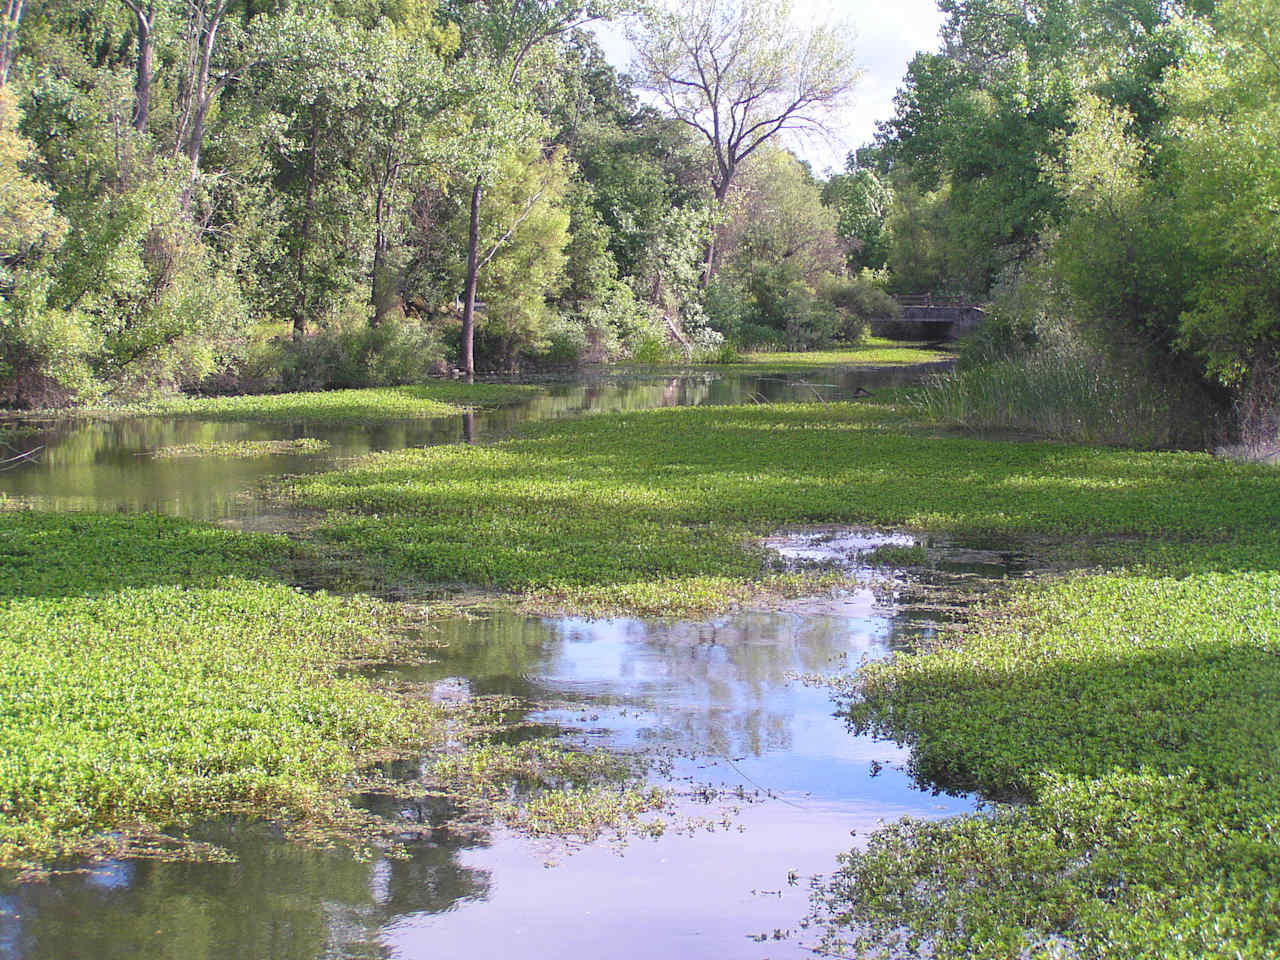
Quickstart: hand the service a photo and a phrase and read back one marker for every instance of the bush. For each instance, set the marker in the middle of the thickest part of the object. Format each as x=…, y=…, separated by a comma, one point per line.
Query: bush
x=859, y=301
x=349, y=351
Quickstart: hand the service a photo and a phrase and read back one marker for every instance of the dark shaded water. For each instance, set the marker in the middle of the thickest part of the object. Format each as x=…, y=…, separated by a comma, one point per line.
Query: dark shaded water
x=720, y=701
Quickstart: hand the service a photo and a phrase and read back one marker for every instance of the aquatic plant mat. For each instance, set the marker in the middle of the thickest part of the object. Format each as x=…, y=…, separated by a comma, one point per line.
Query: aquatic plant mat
x=440, y=398
x=1122, y=708
x=1131, y=712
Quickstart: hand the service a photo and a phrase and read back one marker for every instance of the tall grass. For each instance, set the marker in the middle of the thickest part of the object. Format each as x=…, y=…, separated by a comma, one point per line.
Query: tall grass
x=1066, y=390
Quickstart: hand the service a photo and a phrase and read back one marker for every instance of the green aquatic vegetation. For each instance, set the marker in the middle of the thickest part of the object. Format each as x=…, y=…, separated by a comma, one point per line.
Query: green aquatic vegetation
x=673, y=501
x=152, y=705
x=154, y=670
x=243, y=448
x=528, y=767
x=440, y=398
x=892, y=555
x=1136, y=716
x=872, y=352
x=682, y=597
x=587, y=813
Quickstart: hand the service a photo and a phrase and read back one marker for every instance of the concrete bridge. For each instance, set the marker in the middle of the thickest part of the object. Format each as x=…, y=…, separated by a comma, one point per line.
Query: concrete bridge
x=929, y=317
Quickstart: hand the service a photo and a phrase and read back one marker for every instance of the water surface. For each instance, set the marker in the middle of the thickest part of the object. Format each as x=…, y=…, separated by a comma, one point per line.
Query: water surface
x=746, y=746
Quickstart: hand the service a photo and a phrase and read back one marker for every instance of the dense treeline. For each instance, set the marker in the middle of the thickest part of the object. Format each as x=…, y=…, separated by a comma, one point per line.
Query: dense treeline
x=1105, y=174
x=265, y=194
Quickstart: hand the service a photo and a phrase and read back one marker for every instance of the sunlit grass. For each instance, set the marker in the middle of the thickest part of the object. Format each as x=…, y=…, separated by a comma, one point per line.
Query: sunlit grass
x=872, y=352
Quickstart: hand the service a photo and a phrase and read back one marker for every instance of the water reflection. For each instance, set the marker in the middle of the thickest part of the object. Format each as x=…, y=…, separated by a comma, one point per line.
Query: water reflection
x=109, y=465
x=720, y=698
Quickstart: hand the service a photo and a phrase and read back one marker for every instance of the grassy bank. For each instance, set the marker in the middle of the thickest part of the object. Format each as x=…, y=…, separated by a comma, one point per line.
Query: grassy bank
x=439, y=398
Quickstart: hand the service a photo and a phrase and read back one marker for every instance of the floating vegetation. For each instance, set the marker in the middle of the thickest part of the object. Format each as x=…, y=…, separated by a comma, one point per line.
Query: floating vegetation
x=243, y=448
x=439, y=398
x=1133, y=717
x=662, y=511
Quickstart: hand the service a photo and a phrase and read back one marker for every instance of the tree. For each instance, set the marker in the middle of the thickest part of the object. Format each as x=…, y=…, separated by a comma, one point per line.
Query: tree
x=10, y=20
x=776, y=216
x=739, y=72
x=500, y=36
x=862, y=201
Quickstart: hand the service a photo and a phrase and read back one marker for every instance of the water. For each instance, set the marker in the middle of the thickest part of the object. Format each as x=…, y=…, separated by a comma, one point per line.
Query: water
x=745, y=744
x=719, y=699
x=110, y=465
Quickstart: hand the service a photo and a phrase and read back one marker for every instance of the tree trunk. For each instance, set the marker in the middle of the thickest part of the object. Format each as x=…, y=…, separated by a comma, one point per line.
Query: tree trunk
x=309, y=206
x=9, y=37
x=469, y=295
x=207, y=33
x=146, y=55
x=721, y=189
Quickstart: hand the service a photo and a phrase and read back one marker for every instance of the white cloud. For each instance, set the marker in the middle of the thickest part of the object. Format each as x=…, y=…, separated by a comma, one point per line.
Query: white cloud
x=888, y=35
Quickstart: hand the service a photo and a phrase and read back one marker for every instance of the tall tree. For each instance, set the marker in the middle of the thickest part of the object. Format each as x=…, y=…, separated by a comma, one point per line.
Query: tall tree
x=500, y=36
x=144, y=16
x=10, y=20
x=740, y=72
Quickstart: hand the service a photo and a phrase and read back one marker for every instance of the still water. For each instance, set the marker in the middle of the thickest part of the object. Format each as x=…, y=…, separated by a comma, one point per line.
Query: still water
x=110, y=465
x=748, y=748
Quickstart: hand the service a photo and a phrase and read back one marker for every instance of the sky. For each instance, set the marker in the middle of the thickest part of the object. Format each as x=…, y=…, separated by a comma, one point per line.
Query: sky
x=889, y=32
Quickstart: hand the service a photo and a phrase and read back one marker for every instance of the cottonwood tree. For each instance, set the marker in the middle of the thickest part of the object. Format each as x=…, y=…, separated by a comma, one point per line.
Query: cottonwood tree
x=499, y=37
x=740, y=72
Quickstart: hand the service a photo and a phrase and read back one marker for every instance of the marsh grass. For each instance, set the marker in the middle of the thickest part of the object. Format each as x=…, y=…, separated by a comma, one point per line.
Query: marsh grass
x=1066, y=392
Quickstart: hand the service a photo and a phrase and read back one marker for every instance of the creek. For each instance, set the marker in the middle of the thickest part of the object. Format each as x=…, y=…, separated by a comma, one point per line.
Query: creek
x=769, y=785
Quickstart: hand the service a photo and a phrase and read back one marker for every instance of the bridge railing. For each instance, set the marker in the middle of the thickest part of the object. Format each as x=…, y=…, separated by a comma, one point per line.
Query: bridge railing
x=932, y=300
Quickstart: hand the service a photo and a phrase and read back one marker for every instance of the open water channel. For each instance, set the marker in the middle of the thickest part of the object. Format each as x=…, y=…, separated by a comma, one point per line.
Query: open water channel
x=771, y=786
